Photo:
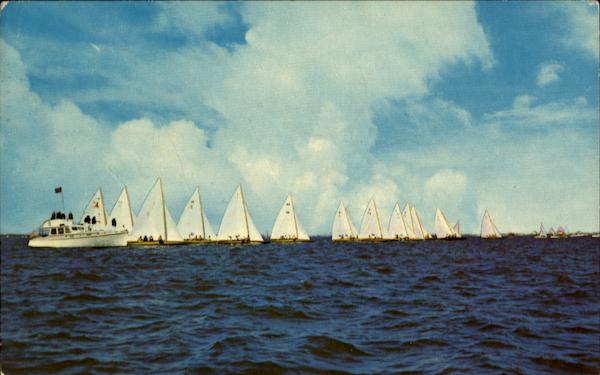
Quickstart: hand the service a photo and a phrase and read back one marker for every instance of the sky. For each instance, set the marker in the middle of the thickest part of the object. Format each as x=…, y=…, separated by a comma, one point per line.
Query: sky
x=457, y=105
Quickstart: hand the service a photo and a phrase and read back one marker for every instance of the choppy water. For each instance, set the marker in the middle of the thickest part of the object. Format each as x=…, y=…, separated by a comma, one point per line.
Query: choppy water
x=513, y=306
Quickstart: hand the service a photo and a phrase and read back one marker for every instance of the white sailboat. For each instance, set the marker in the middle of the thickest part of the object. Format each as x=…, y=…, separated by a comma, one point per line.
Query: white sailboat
x=370, y=225
x=409, y=223
x=95, y=211
x=121, y=216
x=287, y=227
x=154, y=224
x=397, y=228
x=488, y=228
x=237, y=225
x=419, y=232
x=542, y=233
x=456, y=229
x=442, y=228
x=342, y=228
x=193, y=223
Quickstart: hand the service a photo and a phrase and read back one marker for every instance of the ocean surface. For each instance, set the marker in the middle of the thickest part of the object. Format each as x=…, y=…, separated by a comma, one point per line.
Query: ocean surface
x=517, y=305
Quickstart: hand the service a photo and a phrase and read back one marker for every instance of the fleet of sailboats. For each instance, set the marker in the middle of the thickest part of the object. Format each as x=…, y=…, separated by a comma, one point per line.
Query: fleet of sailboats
x=154, y=224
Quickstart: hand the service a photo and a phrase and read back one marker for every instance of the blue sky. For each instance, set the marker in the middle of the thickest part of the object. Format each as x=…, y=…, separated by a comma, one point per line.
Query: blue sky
x=457, y=105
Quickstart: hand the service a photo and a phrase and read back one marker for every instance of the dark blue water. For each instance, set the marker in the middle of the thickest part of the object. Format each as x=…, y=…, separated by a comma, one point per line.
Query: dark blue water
x=512, y=306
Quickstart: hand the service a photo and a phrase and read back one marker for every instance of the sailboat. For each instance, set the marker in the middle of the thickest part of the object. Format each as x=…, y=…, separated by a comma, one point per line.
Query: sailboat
x=94, y=214
x=420, y=233
x=456, y=229
x=237, y=225
x=488, y=228
x=542, y=233
x=409, y=223
x=193, y=223
x=442, y=228
x=370, y=225
x=287, y=227
x=397, y=228
x=154, y=224
x=121, y=216
x=342, y=228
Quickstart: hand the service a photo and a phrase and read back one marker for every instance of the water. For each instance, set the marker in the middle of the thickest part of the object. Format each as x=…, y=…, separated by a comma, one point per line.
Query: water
x=512, y=306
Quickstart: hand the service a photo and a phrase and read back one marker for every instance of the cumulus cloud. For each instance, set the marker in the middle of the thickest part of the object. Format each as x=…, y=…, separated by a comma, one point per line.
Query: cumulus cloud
x=549, y=73
x=582, y=30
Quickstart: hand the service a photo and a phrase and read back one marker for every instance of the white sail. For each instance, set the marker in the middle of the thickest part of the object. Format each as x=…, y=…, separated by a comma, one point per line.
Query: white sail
x=121, y=212
x=397, y=226
x=408, y=222
x=193, y=223
x=352, y=226
x=488, y=228
x=95, y=209
x=542, y=232
x=154, y=219
x=416, y=224
x=456, y=229
x=370, y=226
x=442, y=228
x=287, y=226
x=342, y=228
x=237, y=225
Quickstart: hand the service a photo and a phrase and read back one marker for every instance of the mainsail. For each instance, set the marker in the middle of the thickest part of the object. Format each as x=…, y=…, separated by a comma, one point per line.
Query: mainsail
x=342, y=228
x=95, y=212
x=488, y=228
x=456, y=229
x=442, y=228
x=370, y=227
x=417, y=226
x=237, y=225
x=408, y=222
x=287, y=226
x=121, y=212
x=193, y=223
x=154, y=219
x=542, y=232
x=397, y=226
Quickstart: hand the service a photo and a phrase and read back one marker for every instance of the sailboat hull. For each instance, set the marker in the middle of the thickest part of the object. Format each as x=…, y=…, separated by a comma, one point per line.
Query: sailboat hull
x=289, y=241
x=116, y=239
x=154, y=243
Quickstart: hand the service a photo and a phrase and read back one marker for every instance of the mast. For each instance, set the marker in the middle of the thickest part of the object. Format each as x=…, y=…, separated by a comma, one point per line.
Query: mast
x=294, y=215
x=377, y=216
x=103, y=208
x=162, y=196
x=245, y=213
x=129, y=204
x=201, y=213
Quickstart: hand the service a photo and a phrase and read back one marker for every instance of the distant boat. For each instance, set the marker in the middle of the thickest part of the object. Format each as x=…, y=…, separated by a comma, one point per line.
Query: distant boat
x=154, y=224
x=442, y=228
x=488, y=228
x=542, y=233
x=406, y=215
x=397, y=229
x=342, y=228
x=61, y=232
x=370, y=226
x=420, y=233
x=456, y=229
x=237, y=225
x=193, y=223
x=95, y=211
x=287, y=227
x=121, y=214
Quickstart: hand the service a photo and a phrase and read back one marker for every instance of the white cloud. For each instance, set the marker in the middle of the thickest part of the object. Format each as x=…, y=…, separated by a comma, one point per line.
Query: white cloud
x=549, y=73
x=582, y=26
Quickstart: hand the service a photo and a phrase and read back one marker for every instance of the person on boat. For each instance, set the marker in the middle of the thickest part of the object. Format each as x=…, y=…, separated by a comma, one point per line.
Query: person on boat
x=114, y=222
x=53, y=216
x=70, y=216
x=140, y=238
x=160, y=240
x=87, y=219
x=93, y=220
x=145, y=238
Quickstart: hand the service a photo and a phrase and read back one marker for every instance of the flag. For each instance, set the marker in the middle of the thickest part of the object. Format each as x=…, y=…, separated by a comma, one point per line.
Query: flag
x=58, y=189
